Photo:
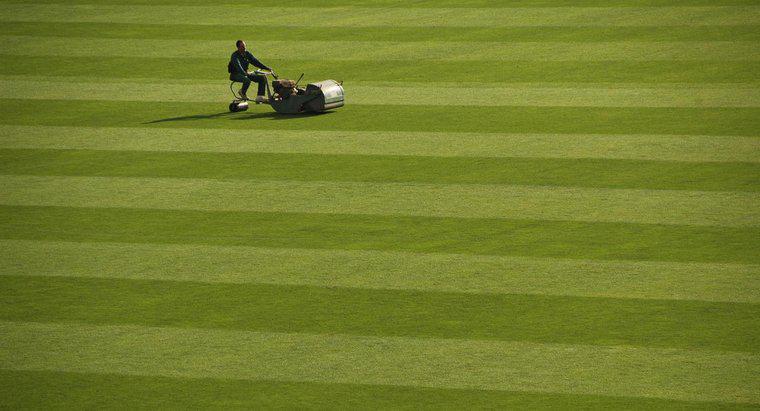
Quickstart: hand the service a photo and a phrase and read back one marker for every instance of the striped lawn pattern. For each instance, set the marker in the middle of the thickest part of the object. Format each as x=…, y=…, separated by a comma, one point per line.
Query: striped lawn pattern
x=418, y=95
x=398, y=16
x=379, y=51
x=632, y=147
x=525, y=204
x=386, y=270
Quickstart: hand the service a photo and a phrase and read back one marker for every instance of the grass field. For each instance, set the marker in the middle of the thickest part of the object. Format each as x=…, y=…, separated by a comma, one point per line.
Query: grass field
x=523, y=204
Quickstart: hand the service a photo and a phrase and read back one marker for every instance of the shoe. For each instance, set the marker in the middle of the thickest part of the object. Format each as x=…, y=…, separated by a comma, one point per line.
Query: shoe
x=242, y=95
x=261, y=99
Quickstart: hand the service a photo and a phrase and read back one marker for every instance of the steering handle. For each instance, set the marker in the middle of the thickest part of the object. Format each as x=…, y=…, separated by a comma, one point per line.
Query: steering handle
x=265, y=73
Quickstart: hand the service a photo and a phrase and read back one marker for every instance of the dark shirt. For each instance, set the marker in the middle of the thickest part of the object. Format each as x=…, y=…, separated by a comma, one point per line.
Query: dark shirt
x=240, y=62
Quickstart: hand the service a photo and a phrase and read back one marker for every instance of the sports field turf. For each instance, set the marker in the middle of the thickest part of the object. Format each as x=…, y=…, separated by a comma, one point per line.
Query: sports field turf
x=523, y=204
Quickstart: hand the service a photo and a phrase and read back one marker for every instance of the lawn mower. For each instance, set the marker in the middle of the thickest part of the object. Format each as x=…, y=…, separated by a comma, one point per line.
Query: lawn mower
x=286, y=97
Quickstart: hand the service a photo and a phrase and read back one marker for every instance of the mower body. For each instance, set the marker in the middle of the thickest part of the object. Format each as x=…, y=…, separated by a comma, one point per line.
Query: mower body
x=315, y=98
x=286, y=97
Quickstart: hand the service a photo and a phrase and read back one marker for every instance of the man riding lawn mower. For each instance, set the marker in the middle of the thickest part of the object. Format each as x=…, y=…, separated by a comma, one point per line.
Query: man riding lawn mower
x=287, y=98
x=238, y=69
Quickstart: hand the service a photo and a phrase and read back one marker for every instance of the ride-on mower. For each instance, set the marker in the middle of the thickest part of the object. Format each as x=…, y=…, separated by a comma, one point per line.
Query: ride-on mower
x=286, y=97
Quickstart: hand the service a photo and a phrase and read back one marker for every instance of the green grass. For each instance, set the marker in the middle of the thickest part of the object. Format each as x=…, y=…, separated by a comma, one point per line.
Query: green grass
x=454, y=51
x=700, y=375
x=372, y=232
x=436, y=33
x=443, y=3
x=524, y=204
x=637, y=120
x=453, y=170
x=412, y=94
x=476, y=71
x=385, y=270
x=632, y=147
x=70, y=390
x=351, y=311
x=356, y=16
x=678, y=207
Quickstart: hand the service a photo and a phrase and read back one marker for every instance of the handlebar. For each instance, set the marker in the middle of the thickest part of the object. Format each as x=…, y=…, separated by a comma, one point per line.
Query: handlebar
x=265, y=73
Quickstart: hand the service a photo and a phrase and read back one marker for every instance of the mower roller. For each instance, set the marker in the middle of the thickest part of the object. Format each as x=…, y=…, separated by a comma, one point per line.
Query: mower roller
x=286, y=97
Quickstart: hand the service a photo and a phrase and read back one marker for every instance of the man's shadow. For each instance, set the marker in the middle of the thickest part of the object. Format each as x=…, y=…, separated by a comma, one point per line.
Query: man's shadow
x=277, y=116
x=239, y=116
x=192, y=117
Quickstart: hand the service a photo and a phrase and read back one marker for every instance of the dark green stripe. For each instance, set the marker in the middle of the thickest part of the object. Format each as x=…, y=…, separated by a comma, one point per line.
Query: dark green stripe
x=603, y=120
x=358, y=232
x=404, y=70
x=67, y=390
x=423, y=3
x=296, y=33
x=304, y=309
x=372, y=168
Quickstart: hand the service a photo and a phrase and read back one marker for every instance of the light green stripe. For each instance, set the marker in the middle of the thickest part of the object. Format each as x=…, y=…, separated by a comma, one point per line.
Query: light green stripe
x=729, y=209
x=493, y=95
x=388, y=16
x=430, y=94
x=385, y=270
x=386, y=50
x=495, y=365
x=639, y=147
x=743, y=86
x=264, y=32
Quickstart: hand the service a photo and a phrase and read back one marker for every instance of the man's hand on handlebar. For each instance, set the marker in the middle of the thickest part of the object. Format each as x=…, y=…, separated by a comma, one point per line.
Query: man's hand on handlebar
x=264, y=73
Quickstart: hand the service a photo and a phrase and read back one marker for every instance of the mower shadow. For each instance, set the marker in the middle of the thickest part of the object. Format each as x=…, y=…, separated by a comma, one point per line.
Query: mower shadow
x=239, y=116
x=276, y=116
x=193, y=117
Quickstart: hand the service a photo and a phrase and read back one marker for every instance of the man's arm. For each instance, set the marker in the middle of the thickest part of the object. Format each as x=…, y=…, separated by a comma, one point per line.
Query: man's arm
x=255, y=61
x=239, y=66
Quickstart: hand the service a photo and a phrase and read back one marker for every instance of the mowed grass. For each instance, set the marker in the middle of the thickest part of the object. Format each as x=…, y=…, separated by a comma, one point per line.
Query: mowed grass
x=525, y=204
x=68, y=389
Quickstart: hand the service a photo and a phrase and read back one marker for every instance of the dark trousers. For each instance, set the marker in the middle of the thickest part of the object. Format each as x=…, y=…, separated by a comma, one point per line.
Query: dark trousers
x=246, y=80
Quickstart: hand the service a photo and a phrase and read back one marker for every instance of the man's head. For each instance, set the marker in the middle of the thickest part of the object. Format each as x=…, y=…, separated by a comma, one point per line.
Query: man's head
x=240, y=44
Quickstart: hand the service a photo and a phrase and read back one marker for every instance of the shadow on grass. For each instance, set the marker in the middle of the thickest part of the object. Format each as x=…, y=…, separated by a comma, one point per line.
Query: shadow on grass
x=276, y=116
x=238, y=116
x=192, y=117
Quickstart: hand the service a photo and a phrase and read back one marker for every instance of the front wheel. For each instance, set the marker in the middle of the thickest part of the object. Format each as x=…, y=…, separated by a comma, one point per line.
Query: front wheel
x=236, y=106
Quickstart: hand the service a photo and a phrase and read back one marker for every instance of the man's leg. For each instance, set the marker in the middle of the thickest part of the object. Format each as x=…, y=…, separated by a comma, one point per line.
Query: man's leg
x=262, y=81
x=241, y=79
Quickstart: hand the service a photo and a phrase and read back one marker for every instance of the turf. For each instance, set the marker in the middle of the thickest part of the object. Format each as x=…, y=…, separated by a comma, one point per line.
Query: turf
x=522, y=119
x=358, y=16
x=637, y=147
x=701, y=375
x=400, y=199
x=71, y=390
x=280, y=308
x=373, y=232
x=445, y=3
x=310, y=167
x=385, y=270
x=412, y=94
x=392, y=33
x=477, y=71
x=455, y=51
x=524, y=204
